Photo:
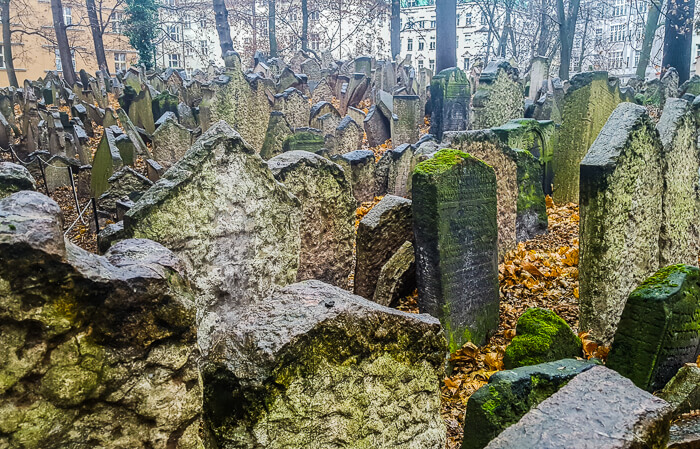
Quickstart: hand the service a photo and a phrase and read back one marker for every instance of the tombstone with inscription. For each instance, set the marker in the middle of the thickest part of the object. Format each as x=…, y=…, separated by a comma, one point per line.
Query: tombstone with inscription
x=304, y=139
x=621, y=215
x=499, y=97
x=406, y=119
x=659, y=330
x=449, y=94
x=454, y=222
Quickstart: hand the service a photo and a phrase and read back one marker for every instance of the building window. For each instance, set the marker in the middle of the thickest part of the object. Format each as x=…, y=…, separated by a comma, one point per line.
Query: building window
x=616, y=60
x=293, y=17
x=617, y=33
x=59, y=63
x=636, y=57
x=468, y=19
x=484, y=19
x=432, y=24
x=432, y=65
x=458, y=17
x=204, y=47
x=2, y=60
x=313, y=15
x=174, y=61
x=186, y=22
x=697, y=51
x=432, y=43
x=68, y=15
x=174, y=33
x=314, y=41
x=120, y=62
x=598, y=36
x=619, y=8
x=203, y=23
x=170, y=2
x=410, y=45
x=466, y=63
x=421, y=45
x=117, y=22
x=420, y=63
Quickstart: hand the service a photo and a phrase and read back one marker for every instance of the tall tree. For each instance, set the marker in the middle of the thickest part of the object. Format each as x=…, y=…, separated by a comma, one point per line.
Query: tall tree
x=222, y=27
x=271, y=27
x=650, y=28
x=543, y=39
x=567, y=28
x=446, y=34
x=64, y=49
x=141, y=26
x=678, y=36
x=304, y=25
x=96, y=30
x=395, y=25
x=7, y=43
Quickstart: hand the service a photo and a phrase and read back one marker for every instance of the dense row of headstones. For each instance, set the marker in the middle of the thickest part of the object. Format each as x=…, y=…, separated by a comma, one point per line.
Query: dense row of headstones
x=252, y=183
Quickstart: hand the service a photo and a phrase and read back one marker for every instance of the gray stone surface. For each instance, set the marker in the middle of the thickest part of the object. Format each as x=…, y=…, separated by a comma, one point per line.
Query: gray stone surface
x=13, y=178
x=598, y=409
x=397, y=277
x=683, y=391
x=171, y=140
x=124, y=183
x=360, y=168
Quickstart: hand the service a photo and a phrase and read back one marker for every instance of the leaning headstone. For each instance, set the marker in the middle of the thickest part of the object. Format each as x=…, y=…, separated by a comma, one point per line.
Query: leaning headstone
x=406, y=119
x=499, y=97
x=659, y=330
x=680, y=229
x=124, y=183
x=235, y=227
x=509, y=395
x=13, y=178
x=454, y=222
x=134, y=135
x=94, y=351
x=141, y=111
x=597, y=409
x=394, y=171
x=106, y=161
x=337, y=370
x=621, y=215
x=171, y=140
x=450, y=98
x=278, y=130
x=377, y=127
x=347, y=136
x=380, y=234
x=360, y=169
x=589, y=101
x=397, y=278
x=328, y=214
x=683, y=391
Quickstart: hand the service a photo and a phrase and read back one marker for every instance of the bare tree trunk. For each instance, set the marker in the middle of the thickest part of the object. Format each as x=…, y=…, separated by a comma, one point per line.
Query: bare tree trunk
x=567, y=29
x=222, y=27
x=503, y=42
x=395, y=29
x=583, y=42
x=96, y=35
x=678, y=37
x=446, y=34
x=271, y=27
x=59, y=27
x=304, y=25
x=543, y=41
x=255, y=26
x=649, y=32
x=7, y=43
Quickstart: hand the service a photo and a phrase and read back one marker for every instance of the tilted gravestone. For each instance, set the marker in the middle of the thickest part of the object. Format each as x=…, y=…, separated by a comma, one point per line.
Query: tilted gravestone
x=397, y=277
x=94, y=350
x=377, y=127
x=124, y=183
x=450, y=96
x=106, y=161
x=394, y=171
x=295, y=107
x=621, y=215
x=588, y=102
x=499, y=96
x=659, y=330
x=328, y=214
x=680, y=229
x=315, y=366
x=234, y=226
x=360, y=169
x=454, y=222
x=278, y=129
x=171, y=140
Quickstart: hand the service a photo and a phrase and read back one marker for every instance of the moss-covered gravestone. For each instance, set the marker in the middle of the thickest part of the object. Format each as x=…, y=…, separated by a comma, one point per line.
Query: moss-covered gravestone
x=328, y=214
x=222, y=211
x=541, y=336
x=499, y=97
x=450, y=97
x=13, y=178
x=509, y=395
x=295, y=107
x=454, y=222
x=141, y=111
x=164, y=102
x=659, y=330
x=314, y=366
x=106, y=161
x=171, y=140
x=278, y=129
x=621, y=215
x=304, y=139
x=94, y=351
x=589, y=101
x=680, y=229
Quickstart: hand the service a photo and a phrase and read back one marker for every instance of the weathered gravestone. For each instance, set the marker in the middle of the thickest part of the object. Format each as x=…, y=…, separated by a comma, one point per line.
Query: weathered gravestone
x=304, y=139
x=360, y=169
x=337, y=371
x=125, y=182
x=13, y=178
x=294, y=105
x=346, y=138
x=450, y=97
x=379, y=235
x=107, y=159
x=683, y=390
x=499, y=96
x=680, y=229
x=539, y=72
x=589, y=101
x=621, y=215
x=94, y=351
x=171, y=140
x=328, y=214
x=234, y=226
x=394, y=171
x=406, y=119
x=377, y=127
x=659, y=330
x=278, y=129
x=597, y=409
x=454, y=222
x=397, y=277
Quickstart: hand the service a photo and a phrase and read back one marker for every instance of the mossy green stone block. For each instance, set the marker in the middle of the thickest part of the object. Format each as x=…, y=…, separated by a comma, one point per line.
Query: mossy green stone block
x=454, y=222
x=449, y=95
x=541, y=336
x=659, y=330
x=303, y=141
x=164, y=102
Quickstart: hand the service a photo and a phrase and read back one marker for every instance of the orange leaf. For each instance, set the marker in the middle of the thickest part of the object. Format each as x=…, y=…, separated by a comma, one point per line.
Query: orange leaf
x=533, y=270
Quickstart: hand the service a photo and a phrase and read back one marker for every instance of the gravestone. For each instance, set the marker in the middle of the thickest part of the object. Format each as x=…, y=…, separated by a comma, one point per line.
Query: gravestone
x=124, y=183
x=141, y=111
x=394, y=171
x=680, y=229
x=294, y=105
x=171, y=140
x=397, y=277
x=278, y=129
x=106, y=161
x=13, y=178
x=621, y=216
x=377, y=127
x=499, y=96
x=360, y=169
x=406, y=119
x=683, y=390
x=380, y=234
x=304, y=139
x=221, y=210
x=454, y=222
x=659, y=330
x=539, y=72
x=328, y=214
x=587, y=104
x=338, y=370
x=320, y=109
x=347, y=137
x=449, y=97
x=59, y=172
